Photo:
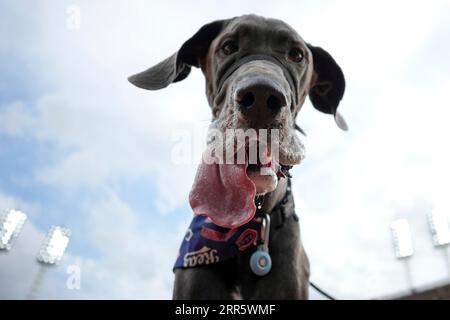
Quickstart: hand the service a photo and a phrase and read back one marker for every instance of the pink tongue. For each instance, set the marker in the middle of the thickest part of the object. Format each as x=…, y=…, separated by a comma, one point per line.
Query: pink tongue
x=224, y=193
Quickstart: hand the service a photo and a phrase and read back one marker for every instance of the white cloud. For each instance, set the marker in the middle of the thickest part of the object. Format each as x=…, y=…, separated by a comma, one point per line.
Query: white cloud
x=135, y=261
x=136, y=256
x=396, y=167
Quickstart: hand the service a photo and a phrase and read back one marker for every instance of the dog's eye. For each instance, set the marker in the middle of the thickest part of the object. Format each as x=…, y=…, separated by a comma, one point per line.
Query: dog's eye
x=229, y=47
x=296, y=55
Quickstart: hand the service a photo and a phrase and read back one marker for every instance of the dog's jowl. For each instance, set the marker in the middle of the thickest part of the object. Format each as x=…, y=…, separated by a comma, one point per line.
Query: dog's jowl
x=244, y=239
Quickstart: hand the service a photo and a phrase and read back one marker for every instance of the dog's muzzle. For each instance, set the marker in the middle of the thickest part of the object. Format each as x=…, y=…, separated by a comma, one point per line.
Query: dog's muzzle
x=255, y=57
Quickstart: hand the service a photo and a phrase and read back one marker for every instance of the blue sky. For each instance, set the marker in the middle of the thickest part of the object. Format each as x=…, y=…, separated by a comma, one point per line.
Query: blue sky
x=80, y=146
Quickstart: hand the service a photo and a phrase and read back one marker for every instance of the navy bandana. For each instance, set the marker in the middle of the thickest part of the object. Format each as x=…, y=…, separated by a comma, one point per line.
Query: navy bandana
x=207, y=243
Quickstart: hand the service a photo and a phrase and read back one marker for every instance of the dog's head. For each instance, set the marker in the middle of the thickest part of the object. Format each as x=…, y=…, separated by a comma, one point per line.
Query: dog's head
x=258, y=73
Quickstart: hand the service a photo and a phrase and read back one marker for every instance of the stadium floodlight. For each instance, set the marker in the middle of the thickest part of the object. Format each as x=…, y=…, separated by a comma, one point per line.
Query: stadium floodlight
x=440, y=231
x=54, y=245
x=10, y=226
x=403, y=244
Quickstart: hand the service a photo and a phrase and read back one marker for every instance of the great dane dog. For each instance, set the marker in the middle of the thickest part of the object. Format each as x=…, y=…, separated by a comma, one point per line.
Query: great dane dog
x=258, y=73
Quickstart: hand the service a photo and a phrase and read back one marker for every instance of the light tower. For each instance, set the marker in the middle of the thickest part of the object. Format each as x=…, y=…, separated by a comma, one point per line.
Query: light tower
x=403, y=246
x=440, y=232
x=11, y=224
x=50, y=253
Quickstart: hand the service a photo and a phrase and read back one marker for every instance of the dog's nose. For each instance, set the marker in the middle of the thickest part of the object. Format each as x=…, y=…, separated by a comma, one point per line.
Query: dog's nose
x=259, y=99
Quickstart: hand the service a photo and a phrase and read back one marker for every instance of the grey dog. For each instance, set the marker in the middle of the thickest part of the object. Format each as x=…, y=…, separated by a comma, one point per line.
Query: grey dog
x=258, y=73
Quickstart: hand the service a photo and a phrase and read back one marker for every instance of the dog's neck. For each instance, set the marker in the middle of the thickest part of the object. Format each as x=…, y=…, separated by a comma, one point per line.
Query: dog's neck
x=271, y=199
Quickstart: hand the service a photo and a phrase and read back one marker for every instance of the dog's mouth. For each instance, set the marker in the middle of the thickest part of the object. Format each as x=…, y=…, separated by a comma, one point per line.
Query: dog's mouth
x=226, y=192
x=265, y=174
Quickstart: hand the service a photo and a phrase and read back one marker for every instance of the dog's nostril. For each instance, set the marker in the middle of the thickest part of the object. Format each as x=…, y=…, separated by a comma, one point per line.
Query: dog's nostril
x=274, y=103
x=247, y=100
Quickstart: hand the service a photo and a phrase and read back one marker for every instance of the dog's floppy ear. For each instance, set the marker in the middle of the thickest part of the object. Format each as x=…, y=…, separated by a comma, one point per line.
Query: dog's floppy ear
x=328, y=85
x=178, y=66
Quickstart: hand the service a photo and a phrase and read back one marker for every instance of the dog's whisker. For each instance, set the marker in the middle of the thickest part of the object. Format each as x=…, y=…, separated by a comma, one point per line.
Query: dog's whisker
x=297, y=127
